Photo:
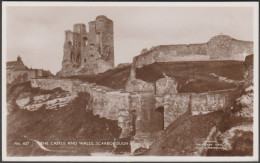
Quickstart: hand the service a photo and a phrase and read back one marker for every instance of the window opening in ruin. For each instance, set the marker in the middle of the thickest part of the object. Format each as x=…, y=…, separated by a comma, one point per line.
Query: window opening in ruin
x=78, y=58
x=85, y=40
x=85, y=60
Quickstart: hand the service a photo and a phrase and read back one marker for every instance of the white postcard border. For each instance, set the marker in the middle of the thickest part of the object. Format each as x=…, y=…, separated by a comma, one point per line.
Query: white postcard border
x=255, y=156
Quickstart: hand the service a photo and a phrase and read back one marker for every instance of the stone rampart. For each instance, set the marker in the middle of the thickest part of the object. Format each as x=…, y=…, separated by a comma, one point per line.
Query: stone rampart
x=221, y=47
x=198, y=103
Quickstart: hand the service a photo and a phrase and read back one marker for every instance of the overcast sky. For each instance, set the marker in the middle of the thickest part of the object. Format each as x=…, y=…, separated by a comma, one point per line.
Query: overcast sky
x=37, y=33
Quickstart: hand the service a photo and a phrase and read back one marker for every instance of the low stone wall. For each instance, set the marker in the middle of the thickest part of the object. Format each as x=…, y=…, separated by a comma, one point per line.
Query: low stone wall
x=211, y=101
x=198, y=103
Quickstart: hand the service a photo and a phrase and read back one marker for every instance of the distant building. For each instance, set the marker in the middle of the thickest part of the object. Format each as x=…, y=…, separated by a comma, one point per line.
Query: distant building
x=17, y=72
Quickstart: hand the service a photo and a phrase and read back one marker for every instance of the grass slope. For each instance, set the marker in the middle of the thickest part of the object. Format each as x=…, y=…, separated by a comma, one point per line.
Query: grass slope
x=195, y=76
x=181, y=137
x=114, y=78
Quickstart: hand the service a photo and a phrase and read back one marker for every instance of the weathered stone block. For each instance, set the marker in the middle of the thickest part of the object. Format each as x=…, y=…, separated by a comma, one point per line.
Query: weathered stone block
x=166, y=85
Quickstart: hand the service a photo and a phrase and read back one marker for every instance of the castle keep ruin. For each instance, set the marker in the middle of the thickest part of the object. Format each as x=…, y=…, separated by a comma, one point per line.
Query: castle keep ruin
x=90, y=52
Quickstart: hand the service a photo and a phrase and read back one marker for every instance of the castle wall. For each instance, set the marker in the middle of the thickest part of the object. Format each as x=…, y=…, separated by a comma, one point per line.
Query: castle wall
x=240, y=49
x=166, y=86
x=143, y=104
x=134, y=111
x=79, y=28
x=108, y=103
x=169, y=56
x=211, y=101
x=220, y=47
x=198, y=103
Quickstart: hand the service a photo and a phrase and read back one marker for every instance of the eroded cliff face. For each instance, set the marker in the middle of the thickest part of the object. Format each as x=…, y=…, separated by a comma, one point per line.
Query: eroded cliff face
x=245, y=102
x=55, y=100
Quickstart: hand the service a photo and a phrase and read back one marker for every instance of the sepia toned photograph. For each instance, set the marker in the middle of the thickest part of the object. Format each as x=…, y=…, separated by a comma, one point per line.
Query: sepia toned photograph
x=121, y=81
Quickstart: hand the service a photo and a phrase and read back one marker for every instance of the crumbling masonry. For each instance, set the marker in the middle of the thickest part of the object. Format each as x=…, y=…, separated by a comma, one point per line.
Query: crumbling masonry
x=88, y=52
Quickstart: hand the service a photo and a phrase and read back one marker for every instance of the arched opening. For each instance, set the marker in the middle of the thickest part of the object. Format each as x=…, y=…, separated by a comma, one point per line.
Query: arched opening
x=158, y=119
x=78, y=58
x=85, y=60
x=85, y=40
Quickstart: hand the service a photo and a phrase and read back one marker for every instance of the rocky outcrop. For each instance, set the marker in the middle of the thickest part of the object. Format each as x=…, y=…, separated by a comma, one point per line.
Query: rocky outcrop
x=248, y=77
x=143, y=141
x=246, y=101
x=228, y=138
x=122, y=65
x=48, y=101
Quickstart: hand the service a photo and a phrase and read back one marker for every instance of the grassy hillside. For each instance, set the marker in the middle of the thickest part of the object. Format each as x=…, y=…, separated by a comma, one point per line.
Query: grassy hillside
x=69, y=123
x=197, y=76
x=183, y=135
x=114, y=78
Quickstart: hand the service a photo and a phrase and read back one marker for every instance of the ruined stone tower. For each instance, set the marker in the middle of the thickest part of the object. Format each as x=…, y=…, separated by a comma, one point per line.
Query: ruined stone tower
x=90, y=52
